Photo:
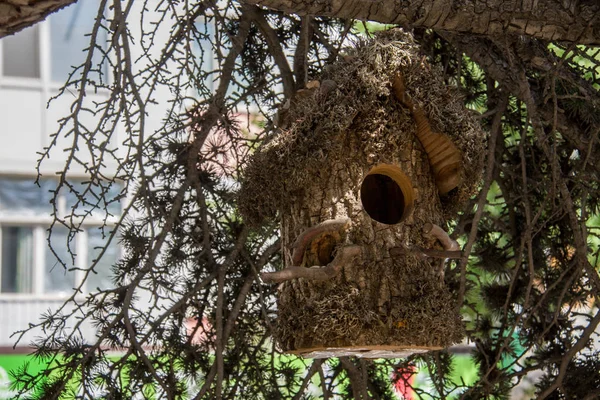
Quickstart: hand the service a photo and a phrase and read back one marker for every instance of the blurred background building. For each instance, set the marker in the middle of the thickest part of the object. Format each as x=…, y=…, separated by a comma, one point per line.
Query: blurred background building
x=34, y=64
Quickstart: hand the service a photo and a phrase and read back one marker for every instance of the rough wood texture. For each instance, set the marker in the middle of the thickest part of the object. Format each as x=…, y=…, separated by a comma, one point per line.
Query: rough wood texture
x=344, y=256
x=303, y=240
x=560, y=20
x=377, y=300
x=363, y=351
x=16, y=15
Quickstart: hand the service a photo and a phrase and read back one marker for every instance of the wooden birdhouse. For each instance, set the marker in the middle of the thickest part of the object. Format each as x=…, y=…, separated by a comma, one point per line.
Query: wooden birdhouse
x=366, y=166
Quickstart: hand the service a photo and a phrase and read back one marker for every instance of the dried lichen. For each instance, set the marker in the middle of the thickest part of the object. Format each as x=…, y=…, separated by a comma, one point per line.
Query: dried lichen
x=341, y=315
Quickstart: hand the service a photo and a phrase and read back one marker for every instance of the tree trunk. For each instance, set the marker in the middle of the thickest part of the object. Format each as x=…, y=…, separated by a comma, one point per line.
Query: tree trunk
x=16, y=15
x=573, y=21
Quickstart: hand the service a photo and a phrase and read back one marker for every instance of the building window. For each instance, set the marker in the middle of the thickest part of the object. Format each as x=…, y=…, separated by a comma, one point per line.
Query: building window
x=69, y=36
x=95, y=243
x=27, y=264
x=17, y=260
x=21, y=54
x=23, y=196
x=59, y=278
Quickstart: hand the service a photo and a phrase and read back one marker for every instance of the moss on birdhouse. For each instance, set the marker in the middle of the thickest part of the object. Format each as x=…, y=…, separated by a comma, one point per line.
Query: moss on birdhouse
x=355, y=100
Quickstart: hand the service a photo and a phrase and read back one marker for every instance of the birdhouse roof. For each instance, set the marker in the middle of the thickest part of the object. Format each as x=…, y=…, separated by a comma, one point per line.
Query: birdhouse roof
x=355, y=96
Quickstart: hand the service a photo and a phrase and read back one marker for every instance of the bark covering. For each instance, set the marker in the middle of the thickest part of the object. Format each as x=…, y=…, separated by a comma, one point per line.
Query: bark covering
x=378, y=305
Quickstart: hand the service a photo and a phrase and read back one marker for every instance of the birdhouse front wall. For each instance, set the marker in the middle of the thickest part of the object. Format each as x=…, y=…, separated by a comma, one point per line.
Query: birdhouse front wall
x=335, y=193
x=379, y=302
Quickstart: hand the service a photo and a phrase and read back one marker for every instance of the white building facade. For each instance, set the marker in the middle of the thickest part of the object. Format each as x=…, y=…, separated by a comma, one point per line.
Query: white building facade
x=33, y=66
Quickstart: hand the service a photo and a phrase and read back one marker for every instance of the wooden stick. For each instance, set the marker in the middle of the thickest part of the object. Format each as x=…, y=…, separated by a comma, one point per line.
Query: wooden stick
x=302, y=241
x=399, y=89
x=317, y=273
x=447, y=242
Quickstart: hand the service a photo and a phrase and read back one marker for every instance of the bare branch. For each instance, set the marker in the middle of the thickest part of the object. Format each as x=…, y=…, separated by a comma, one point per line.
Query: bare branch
x=496, y=131
x=441, y=235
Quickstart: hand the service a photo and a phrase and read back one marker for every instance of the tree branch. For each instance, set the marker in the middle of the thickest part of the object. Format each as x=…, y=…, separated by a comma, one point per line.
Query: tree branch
x=441, y=235
x=357, y=377
x=547, y=20
x=495, y=132
x=16, y=15
x=314, y=368
x=569, y=206
x=287, y=76
x=533, y=56
x=301, y=54
x=566, y=360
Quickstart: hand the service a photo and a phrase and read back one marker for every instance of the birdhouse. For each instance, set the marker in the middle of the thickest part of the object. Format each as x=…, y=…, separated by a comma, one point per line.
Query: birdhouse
x=365, y=167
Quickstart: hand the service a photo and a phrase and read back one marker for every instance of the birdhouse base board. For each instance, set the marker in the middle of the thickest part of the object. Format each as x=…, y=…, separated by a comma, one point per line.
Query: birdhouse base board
x=363, y=351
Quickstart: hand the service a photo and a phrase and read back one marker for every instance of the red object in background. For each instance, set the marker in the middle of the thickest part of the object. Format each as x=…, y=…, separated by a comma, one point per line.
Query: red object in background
x=402, y=379
x=198, y=330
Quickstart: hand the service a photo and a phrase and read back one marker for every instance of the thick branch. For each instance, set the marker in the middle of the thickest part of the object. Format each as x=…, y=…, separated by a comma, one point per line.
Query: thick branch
x=16, y=15
x=485, y=53
x=302, y=241
x=573, y=21
x=317, y=273
x=287, y=77
x=357, y=376
x=301, y=54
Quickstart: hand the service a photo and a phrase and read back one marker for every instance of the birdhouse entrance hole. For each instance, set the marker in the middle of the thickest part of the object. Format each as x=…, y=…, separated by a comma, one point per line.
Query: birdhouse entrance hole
x=386, y=194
